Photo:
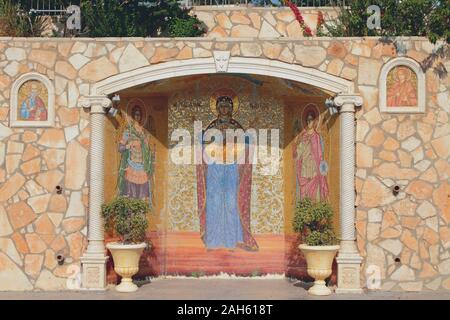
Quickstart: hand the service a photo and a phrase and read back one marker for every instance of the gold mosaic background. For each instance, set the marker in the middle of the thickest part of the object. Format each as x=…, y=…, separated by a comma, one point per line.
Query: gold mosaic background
x=267, y=191
x=391, y=77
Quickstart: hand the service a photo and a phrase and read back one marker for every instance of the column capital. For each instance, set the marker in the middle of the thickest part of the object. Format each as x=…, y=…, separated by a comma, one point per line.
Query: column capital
x=97, y=104
x=348, y=102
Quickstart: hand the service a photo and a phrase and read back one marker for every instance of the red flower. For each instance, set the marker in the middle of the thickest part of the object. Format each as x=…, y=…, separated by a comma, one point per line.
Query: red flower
x=320, y=19
x=298, y=16
x=308, y=31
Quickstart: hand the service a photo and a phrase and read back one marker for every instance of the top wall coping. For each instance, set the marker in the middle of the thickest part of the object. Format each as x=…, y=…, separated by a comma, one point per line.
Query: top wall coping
x=242, y=8
x=199, y=39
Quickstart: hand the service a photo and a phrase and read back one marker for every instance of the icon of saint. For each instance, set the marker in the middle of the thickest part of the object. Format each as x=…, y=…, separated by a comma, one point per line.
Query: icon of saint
x=136, y=165
x=310, y=165
x=224, y=190
x=33, y=108
x=401, y=91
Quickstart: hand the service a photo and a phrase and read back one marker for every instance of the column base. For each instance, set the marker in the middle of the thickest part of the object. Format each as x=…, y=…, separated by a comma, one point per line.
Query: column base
x=349, y=269
x=93, y=276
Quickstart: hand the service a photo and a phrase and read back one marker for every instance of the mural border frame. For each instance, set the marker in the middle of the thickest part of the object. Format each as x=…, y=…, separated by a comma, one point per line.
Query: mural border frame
x=421, y=94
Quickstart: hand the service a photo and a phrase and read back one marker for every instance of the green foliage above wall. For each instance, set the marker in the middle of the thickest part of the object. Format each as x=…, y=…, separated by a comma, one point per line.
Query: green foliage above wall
x=132, y=18
x=15, y=21
x=107, y=18
x=429, y=18
x=189, y=27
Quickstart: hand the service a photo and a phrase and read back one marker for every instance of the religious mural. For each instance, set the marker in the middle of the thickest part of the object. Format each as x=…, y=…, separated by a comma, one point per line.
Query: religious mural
x=265, y=200
x=311, y=168
x=135, y=176
x=33, y=97
x=401, y=87
x=224, y=189
x=224, y=216
x=218, y=217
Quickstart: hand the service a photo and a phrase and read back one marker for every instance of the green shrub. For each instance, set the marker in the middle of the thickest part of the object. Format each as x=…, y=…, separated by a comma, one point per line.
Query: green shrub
x=16, y=21
x=137, y=18
x=313, y=222
x=428, y=18
x=188, y=27
x=126, y=218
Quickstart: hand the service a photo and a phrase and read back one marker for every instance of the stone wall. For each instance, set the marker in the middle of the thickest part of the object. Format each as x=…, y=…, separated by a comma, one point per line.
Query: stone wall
x=409, y=150
x=36, y=222
x=408, y=235
x=245, y=22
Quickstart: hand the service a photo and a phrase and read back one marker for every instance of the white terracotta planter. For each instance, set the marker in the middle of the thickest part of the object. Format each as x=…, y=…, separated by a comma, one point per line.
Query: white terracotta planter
x=319, y=260
x=126, y=263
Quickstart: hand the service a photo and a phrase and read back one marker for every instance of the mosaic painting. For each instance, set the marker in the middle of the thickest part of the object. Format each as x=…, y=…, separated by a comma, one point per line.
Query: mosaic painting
x=401, y=87
x=202, y=197
x=135, y=175
x=33, y=99
x=311, y=168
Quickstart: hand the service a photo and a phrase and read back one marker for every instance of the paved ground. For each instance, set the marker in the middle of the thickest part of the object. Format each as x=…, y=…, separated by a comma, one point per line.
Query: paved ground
x=218, y=289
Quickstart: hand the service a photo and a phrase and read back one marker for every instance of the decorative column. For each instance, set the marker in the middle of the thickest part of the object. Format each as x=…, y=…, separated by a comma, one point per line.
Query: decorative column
x=348, y=259
x=93, y=261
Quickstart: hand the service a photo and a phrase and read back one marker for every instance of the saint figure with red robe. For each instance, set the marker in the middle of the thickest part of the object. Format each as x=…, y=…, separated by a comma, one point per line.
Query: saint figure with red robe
x=310, y=165
x=402, y=92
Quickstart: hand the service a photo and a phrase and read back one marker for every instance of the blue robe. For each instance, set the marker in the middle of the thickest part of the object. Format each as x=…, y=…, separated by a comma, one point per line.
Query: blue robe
x=223, y=225
x=27, y=105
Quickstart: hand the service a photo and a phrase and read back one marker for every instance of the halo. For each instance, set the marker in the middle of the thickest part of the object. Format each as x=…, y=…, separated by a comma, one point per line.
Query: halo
x=408, y=70
x=223, y=92
x=136, y=102
x=40, y=88
x=309, y=108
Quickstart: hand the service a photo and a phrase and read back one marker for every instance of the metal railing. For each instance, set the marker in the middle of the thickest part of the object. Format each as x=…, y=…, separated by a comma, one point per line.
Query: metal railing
x=58, y=7
x=47, y=7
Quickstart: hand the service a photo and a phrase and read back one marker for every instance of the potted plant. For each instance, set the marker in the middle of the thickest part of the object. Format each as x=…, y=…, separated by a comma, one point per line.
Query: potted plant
x=126, y=218
x=312, y=221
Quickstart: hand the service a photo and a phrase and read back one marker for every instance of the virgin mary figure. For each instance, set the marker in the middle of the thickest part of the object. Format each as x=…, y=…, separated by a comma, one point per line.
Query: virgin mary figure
x=310, y=165
x=224, y=189
x=136, y=165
